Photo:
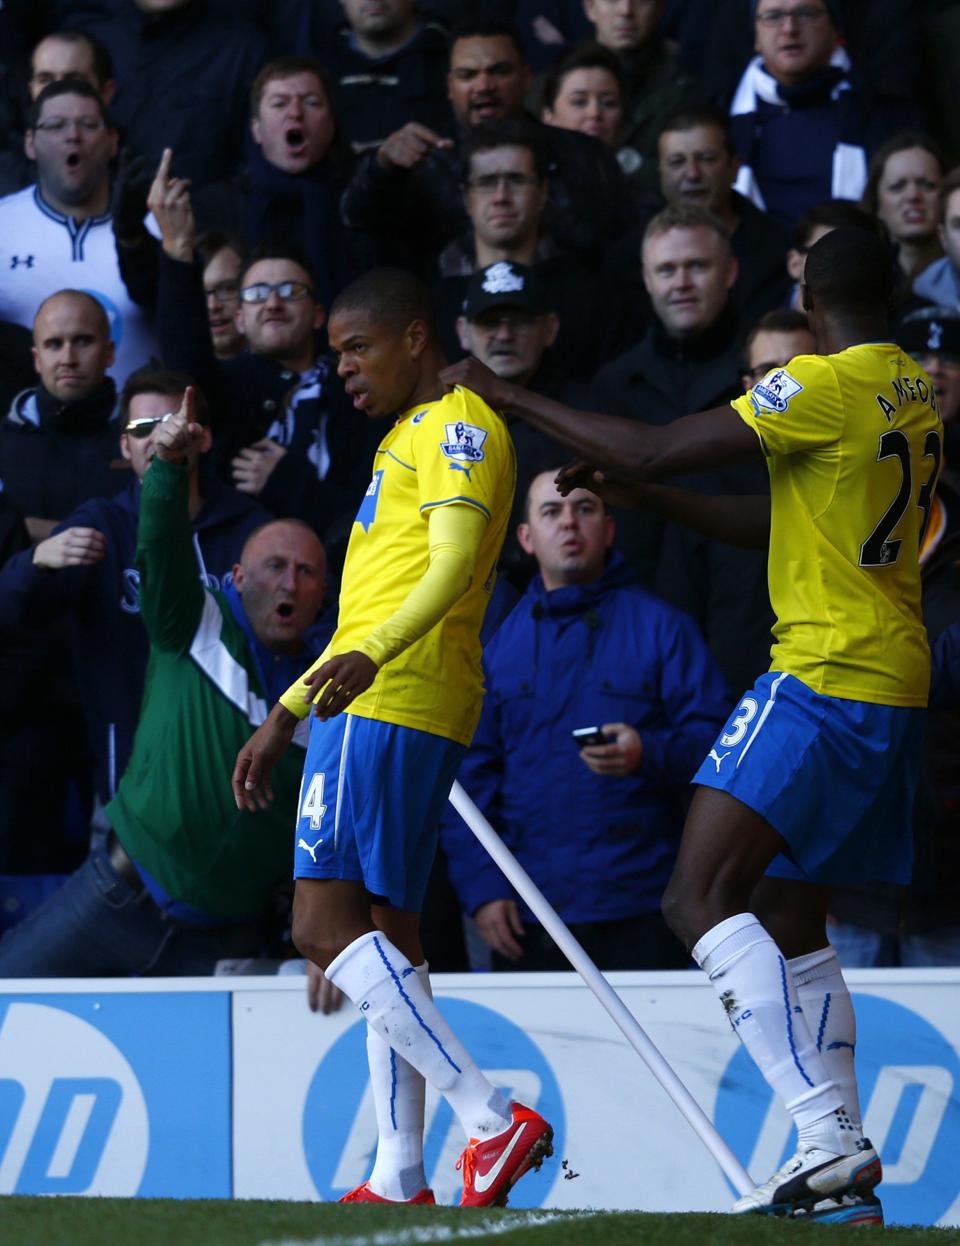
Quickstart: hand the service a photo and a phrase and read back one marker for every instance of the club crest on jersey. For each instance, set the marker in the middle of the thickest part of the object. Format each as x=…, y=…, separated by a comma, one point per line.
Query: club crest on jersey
x=774, y=392
x=464, y=443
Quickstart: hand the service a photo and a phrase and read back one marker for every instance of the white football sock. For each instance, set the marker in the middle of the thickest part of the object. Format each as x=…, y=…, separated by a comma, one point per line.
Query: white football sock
x=398, y=1095
x=828, y=1010
x=385, y=987
x=749, y=973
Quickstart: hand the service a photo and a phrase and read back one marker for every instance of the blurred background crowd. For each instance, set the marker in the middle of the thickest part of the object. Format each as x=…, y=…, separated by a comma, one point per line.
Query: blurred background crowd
x=612, y=201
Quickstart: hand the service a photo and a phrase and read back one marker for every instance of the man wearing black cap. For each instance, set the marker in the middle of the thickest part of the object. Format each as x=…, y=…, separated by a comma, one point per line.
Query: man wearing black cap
x=508, y=323
x=506, y=189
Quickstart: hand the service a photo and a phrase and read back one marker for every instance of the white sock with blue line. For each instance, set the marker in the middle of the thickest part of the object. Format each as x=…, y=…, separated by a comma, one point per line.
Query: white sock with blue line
x=758, y=993
x=383, y=984
x=398, y=1096
x=828, y=1009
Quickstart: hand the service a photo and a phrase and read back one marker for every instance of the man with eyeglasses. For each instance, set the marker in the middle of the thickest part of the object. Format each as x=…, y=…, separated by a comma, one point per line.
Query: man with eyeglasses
x=59, y=54
x=85, y=572
x=800, y=121
x=59, y=233
x=506, y=188
x=283, y=429
x=407, y=194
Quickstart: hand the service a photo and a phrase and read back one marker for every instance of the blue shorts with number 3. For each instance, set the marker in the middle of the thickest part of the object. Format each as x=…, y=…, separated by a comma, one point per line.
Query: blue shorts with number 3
x=835, y=778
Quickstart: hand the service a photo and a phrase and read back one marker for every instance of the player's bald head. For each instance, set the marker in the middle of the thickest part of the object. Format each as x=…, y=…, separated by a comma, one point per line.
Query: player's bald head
x=391, y=297
x=850, y=271
x=76, y=300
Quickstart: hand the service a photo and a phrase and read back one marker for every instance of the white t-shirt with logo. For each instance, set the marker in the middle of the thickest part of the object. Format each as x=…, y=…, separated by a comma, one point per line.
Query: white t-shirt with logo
x=42, y=251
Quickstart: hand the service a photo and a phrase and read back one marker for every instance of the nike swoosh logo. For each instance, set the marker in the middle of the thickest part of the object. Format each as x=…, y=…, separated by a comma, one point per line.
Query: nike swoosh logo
x=483, y=1181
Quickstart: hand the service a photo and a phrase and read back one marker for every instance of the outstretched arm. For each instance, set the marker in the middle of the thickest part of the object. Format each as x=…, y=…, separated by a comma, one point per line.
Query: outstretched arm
x=742, y=520
x=637, y=451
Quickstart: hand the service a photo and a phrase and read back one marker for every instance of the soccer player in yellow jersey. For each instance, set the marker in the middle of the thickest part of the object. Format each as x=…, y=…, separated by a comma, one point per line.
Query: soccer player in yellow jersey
x=811, y=781
x=396, y=698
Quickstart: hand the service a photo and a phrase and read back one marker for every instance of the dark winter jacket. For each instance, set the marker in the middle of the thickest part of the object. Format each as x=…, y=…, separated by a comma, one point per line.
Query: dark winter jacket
x=55, y=455
x=600, y=848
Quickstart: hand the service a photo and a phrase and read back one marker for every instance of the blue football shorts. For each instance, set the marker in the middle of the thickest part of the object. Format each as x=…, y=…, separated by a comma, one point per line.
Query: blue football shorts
x=835, y=778
x=370, y=805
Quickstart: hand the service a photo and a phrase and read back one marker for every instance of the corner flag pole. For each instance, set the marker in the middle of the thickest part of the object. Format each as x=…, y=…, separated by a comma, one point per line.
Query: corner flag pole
x=521, y=881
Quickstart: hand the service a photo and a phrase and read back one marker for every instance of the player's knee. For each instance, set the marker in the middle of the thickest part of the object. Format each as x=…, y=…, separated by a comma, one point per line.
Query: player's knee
x=316, y=944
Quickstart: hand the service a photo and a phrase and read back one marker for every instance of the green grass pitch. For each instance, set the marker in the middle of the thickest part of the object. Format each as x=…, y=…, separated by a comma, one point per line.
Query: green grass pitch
x=168, y=1222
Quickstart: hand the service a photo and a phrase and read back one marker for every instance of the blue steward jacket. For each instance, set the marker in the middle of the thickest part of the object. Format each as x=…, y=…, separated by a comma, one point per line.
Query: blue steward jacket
x=599, y=847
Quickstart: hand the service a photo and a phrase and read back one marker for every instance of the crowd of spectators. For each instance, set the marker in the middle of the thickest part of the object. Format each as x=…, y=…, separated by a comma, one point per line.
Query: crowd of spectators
x=612, y=201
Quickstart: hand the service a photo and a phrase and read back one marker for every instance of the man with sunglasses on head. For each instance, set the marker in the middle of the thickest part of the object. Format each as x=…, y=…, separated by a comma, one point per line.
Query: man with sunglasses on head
x=85, y=572
x=284, y=432
x=59, y=233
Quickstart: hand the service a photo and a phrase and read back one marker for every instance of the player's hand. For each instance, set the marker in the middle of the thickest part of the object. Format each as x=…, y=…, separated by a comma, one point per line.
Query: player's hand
x=255, y=761
x=499, y=926
x=180, y=432
x=614, y=491
x=169, y=201
x=476, y=376
x=343, y=678
x=73, y=547
x=409, y=146
x=322, y=995
x=254, y=465
x=619, y=758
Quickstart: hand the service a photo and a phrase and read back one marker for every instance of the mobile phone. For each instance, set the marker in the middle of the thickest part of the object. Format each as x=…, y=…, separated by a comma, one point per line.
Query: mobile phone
x=584, y=737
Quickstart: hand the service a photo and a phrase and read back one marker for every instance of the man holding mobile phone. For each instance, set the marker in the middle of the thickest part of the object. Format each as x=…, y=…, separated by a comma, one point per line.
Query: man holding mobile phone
x=587, y=658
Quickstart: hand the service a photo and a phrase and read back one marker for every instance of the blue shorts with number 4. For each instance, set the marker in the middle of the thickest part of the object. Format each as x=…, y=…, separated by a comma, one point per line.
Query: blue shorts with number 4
x=835, y=778
x=370, y=805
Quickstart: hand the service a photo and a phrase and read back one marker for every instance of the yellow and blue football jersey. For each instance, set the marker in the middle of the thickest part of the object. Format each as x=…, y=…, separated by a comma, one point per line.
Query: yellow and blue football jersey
x=455, y=451
x=854, y=446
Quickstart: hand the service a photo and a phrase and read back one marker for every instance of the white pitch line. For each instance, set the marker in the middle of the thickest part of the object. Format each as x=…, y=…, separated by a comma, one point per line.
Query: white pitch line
x=426, y=1234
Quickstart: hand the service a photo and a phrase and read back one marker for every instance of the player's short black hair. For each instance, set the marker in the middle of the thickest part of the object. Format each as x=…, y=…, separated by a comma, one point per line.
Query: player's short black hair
x=152, y=379
x=393, y=297
x=478, y=26
x=507, y=132
x=100, y=58
x=66, y=86
x=851, y=271
x=588, y=55
x=212, y=241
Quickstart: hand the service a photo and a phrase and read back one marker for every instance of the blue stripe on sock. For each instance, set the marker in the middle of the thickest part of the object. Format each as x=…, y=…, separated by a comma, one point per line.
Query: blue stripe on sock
x=789, y=1016
x=393, y=1088
x=823, y=1020
x=413, y=1008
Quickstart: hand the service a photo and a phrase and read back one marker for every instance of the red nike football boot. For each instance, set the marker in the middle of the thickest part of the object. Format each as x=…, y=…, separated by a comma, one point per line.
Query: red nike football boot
x=363, y=1194
x=492, y=1166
